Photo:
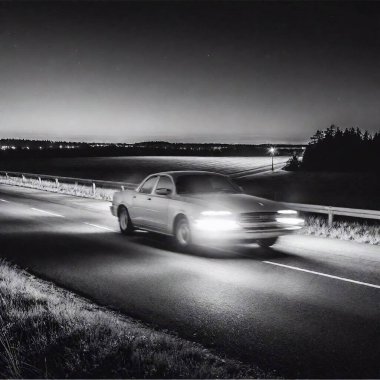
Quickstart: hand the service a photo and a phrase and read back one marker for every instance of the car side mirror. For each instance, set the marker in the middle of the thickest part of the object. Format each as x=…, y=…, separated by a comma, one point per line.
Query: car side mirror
x=163, y=191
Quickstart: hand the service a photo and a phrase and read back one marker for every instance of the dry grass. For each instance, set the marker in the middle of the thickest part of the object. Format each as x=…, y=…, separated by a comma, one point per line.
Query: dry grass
x=48, y=332
x=344, y=230
x=63, y=188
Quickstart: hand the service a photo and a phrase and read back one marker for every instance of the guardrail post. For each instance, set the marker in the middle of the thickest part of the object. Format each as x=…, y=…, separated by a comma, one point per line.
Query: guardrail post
x=330, y=217
x=93, y=189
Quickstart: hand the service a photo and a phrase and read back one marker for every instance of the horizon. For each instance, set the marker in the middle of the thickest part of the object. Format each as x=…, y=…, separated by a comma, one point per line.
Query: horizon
x=170, y=141
x=144, y=142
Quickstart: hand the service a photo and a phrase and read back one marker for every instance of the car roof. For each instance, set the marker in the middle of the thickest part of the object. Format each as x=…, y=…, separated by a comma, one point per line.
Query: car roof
x=178, y=173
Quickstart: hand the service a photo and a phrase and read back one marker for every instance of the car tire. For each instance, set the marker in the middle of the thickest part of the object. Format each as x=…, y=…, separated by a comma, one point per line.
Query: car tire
x=125, y=222
x=268, y=242
x=182, y=234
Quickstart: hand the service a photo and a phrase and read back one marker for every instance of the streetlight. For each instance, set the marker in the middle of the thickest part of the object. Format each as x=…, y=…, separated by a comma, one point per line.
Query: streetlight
x=272, y=151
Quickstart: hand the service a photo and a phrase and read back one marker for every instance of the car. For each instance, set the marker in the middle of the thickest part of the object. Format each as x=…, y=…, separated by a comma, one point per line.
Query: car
x=199, y=207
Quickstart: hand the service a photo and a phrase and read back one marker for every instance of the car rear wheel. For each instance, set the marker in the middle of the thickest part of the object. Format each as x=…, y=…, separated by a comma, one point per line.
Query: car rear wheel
x=125, y=222
x=268, y=242
x=182, y=234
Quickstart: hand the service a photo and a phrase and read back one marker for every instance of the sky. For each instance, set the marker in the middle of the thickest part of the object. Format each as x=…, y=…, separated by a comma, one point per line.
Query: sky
x=238, y=72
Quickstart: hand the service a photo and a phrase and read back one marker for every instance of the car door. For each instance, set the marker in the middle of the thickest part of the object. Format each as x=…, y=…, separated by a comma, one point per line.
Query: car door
x=159, y=205
x=140, y=212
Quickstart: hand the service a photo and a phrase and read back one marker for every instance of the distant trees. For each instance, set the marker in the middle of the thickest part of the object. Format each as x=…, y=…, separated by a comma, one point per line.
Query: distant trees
x=340, y=150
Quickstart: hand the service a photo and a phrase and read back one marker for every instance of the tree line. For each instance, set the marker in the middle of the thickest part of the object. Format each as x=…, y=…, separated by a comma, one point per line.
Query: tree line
x=338, y=150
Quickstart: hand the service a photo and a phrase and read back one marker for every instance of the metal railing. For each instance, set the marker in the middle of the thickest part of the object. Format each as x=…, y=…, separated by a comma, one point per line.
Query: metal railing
x=330, y=211
x=76, y=181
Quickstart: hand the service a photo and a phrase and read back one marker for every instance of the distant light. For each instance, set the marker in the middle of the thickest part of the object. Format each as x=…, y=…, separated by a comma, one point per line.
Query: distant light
x=272, y=150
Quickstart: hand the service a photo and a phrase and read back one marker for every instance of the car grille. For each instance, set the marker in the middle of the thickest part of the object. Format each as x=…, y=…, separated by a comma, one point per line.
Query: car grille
x=259, y=221
x=257, y=217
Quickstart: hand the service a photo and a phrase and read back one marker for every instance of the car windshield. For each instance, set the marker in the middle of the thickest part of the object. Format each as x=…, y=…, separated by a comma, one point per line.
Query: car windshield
x=205, y=183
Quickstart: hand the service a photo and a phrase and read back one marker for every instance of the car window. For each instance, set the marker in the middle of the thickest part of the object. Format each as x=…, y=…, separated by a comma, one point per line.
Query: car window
x=148, y=185
x=200, y=183
x=165, y=183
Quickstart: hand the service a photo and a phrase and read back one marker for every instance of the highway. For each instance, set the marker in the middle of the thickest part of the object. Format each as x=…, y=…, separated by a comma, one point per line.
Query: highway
x=307, y=308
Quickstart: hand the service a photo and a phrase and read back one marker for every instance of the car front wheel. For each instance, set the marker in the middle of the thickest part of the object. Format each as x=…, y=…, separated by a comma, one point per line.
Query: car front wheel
x=268, y=242
x=182, y=234
x=125, y=222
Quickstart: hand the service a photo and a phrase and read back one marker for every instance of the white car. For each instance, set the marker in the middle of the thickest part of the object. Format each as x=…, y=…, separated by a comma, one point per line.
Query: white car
x=198, y=207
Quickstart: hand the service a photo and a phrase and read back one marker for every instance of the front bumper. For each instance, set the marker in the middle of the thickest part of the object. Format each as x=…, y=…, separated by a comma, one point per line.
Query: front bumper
x=243, y=235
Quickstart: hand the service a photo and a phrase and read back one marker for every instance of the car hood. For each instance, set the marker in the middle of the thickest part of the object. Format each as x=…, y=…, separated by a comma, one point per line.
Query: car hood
x=237, y=203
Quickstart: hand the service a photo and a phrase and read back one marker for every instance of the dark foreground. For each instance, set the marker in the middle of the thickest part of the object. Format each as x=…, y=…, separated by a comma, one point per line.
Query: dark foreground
x=239, y=302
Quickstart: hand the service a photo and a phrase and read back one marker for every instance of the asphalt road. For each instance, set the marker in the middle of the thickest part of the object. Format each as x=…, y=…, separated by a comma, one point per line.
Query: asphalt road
x=308, y=307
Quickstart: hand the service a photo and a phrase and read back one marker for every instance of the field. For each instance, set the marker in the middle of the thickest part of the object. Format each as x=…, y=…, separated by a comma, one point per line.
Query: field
x=353, y=190
x=133, y=169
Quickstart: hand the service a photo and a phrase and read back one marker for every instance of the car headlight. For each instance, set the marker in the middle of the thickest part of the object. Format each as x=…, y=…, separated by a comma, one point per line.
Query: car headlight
x=216, y=213
x=214, y=224
x=290, y=220
x=287, y=212
x=216, y=221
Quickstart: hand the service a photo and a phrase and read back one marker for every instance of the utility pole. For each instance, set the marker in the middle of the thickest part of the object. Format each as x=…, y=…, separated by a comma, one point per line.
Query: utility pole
x=272, y=151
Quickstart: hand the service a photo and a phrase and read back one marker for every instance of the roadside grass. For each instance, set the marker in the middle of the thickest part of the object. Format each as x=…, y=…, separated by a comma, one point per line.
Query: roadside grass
x=360, y=232
x=78, y=190
x=49, y=332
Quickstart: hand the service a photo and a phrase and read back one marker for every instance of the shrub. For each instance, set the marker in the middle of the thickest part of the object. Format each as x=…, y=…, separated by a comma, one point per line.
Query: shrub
x=361, y=232
x=293, y=164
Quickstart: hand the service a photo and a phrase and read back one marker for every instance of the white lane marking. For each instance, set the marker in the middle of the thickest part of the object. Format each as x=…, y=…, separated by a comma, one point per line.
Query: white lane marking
x=3, y=200
x=47, y=212
x=324, y=275
x=101, y=227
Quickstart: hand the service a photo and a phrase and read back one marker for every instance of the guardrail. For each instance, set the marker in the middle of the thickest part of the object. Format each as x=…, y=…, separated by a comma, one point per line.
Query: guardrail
x=330, y=211
x=76, y=181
